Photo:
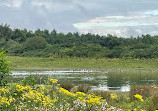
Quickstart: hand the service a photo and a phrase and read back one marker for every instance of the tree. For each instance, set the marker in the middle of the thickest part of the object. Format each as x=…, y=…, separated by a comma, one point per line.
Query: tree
x=2, y=42
x=13, y=47
x=5, y=32
x=19, y=35
x=36, y=42
x=112, y=42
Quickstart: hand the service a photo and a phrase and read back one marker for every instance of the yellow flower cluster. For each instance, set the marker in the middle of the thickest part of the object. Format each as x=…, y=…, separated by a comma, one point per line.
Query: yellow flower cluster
x=4, y=90
x=48, y=102
x=139, y=97
x=33, y=95
x=90, y=99
x=113, y=96
x=94, y=100
x=37, y=97
x=21, y=88
x=42, y=86
x=42, y=96
x=6, y=101
x=50, y=97
x=80, y=94
x=53, y=81
x=62, y=90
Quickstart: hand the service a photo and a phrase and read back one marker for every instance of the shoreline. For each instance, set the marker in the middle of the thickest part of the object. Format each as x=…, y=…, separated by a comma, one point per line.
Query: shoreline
x=86, y=70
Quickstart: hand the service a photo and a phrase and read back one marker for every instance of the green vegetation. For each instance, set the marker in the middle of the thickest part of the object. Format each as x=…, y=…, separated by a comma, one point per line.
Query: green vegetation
x=36, y=63
x=4, y=69
x=44, y=43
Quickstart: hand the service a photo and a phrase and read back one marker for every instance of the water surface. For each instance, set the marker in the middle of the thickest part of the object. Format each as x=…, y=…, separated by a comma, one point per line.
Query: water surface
x=99, y=79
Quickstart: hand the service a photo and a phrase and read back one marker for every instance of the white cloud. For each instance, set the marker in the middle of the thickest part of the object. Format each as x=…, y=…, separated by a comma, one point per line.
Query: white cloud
x=11, y=3
x=151, y=12
x=124, y=26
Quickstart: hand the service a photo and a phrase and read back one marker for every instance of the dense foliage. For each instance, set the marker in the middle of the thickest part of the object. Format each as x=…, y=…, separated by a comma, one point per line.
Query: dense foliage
x=4, y=69
x=44, y=43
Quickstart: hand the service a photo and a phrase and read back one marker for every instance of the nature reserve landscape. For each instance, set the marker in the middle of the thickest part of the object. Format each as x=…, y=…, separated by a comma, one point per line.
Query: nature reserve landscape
x=75, y=55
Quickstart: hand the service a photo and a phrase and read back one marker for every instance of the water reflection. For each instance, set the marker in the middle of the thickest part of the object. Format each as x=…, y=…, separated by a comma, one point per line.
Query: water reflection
x=100, y=80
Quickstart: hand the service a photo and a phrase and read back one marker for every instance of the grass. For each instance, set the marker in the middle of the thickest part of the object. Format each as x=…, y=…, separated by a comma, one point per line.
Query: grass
x=36, y=63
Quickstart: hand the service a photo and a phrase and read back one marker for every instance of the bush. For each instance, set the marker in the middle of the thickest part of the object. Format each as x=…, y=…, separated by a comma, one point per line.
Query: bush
x=145, y=91
x=104, y=94
x=83, y=88
x=29, y=81
x=4, y=69
x=67, y=86
x=34, y=43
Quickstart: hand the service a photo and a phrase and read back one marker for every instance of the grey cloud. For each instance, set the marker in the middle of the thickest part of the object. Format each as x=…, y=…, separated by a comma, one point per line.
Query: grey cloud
x=62, y=14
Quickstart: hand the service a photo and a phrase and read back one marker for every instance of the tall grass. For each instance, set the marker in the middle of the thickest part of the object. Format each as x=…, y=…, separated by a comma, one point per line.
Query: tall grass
x=30, y=63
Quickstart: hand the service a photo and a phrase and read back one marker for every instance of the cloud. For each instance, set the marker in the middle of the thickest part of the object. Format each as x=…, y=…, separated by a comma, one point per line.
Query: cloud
x=52, y=5
x=124, y=26
x=101, y=15
x=11, y=3
x=151, y=12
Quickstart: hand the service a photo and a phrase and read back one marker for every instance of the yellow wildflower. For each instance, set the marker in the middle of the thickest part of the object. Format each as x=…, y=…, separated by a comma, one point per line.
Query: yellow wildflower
x=135, y=109
x=47, y=101
x=53, y=81
x=11, y=99
x=80, y=94
x=113, y=96
x=91, y=95
x=139, y=97
x=93, y=101
x=42, y=86
x=29, y=101
x=4, y=90
x=66, y=92
x=80, y=98
x=21, y=88
x=4, y=101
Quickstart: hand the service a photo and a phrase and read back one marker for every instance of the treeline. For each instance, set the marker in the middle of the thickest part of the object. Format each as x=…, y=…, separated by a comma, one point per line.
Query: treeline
x=44, y=43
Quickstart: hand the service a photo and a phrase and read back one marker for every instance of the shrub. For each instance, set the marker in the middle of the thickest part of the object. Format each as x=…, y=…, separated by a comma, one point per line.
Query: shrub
x=83, y=88
x=104, y=94
x=29, y=81
x=67, y=86
x=34, y=43
x=145, y=91
x=4, y=69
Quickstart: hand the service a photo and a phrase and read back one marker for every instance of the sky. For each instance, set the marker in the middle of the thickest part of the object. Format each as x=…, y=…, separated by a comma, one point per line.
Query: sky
x=123, y=18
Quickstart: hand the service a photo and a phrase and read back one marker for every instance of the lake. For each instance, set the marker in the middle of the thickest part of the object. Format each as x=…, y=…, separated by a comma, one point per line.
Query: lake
x=99, y=79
